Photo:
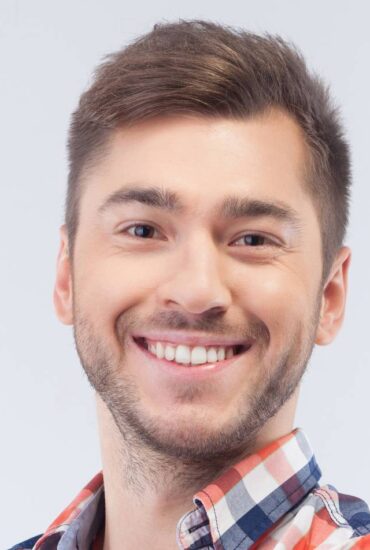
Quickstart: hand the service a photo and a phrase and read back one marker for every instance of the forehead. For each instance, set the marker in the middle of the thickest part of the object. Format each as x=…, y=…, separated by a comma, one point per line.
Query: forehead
x=203, y=160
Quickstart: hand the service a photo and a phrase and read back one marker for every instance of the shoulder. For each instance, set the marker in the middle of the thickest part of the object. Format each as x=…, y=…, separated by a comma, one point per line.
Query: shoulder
x=26, y=544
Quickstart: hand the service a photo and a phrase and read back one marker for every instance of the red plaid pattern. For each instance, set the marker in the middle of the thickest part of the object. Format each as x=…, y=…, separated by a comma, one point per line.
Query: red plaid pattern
x=270, y=500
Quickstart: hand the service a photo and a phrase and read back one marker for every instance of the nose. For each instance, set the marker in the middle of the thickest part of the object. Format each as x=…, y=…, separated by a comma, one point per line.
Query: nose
x=196, y=282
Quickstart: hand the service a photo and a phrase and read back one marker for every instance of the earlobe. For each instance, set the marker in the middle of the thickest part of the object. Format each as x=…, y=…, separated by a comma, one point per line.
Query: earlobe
x=334, y=299
x=63, y=295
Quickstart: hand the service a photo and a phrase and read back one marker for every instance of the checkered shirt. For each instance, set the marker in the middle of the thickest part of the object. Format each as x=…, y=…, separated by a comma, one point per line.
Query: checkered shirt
x=269, y=500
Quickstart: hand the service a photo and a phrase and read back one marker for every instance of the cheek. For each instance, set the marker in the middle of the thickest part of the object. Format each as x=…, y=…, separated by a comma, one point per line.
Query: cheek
x=279, y=299
x=106, y=288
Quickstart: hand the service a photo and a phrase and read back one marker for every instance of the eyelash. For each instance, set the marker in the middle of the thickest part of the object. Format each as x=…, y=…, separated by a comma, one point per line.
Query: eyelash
x=133, y=226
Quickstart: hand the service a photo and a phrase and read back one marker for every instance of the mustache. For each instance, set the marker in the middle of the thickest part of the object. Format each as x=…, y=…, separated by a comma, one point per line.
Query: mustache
x=209, y=322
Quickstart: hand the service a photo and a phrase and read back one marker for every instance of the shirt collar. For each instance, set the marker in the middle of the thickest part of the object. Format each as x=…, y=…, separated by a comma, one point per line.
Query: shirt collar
x=244, y=503
x=76, y=527
x=233, y=511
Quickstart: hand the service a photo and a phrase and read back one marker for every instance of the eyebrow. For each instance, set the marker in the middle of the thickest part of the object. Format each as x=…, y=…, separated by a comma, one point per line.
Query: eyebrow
x=150, y=196
x=236, y=207
x=231, y=208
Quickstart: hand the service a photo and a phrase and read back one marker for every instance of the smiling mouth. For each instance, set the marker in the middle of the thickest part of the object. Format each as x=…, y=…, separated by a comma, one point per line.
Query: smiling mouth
x=190, y=355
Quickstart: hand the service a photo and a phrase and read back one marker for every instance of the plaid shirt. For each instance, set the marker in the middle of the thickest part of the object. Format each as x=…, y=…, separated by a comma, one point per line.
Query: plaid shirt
x=269, y=500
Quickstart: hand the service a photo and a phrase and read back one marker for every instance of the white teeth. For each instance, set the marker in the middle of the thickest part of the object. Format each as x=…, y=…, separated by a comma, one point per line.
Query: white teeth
x=185, y=355
x=182, y=355
x=169, y=352
x=198, y=355
x=159, y=350
x=212, y=355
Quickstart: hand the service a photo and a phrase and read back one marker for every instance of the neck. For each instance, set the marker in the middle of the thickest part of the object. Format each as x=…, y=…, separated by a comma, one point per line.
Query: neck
x=146, y=493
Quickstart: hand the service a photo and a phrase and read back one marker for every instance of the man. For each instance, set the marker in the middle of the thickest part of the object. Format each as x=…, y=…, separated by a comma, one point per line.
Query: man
x=201, y=260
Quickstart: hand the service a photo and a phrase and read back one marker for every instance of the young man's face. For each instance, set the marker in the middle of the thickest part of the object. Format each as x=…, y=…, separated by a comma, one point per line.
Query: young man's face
x=207, y=268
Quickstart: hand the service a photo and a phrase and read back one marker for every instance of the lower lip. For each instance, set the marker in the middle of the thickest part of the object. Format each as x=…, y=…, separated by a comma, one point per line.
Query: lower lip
x=189, y=372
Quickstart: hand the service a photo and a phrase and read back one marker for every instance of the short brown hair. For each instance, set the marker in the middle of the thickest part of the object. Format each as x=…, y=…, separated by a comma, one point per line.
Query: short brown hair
x=207, y=69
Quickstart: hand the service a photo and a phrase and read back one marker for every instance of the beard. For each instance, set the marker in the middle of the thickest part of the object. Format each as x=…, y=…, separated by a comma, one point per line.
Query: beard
x=192, y=443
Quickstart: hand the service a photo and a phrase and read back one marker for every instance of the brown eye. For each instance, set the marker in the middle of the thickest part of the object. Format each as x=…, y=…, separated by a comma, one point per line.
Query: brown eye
x=141, y=230
x=254, y=240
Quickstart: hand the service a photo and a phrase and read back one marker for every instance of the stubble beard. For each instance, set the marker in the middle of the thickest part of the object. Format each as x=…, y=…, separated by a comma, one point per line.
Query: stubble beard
x=193, y=455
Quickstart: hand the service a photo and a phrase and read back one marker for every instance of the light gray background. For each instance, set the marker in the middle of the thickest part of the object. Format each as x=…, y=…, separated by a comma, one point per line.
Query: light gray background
x=49, y=446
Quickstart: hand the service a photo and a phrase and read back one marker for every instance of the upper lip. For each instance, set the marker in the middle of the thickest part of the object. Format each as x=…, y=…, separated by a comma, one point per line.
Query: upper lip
x=191, y=339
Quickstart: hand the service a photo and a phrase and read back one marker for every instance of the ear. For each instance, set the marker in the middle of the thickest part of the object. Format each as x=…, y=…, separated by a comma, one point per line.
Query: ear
x=334, y=299
x=63, y=295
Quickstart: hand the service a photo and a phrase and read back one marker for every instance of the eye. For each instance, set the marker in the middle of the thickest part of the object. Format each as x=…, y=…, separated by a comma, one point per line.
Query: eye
x=254, y=240
x=141, y=230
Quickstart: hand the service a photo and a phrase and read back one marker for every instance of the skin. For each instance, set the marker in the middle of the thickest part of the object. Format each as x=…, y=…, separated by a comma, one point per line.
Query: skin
x=164, y=437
